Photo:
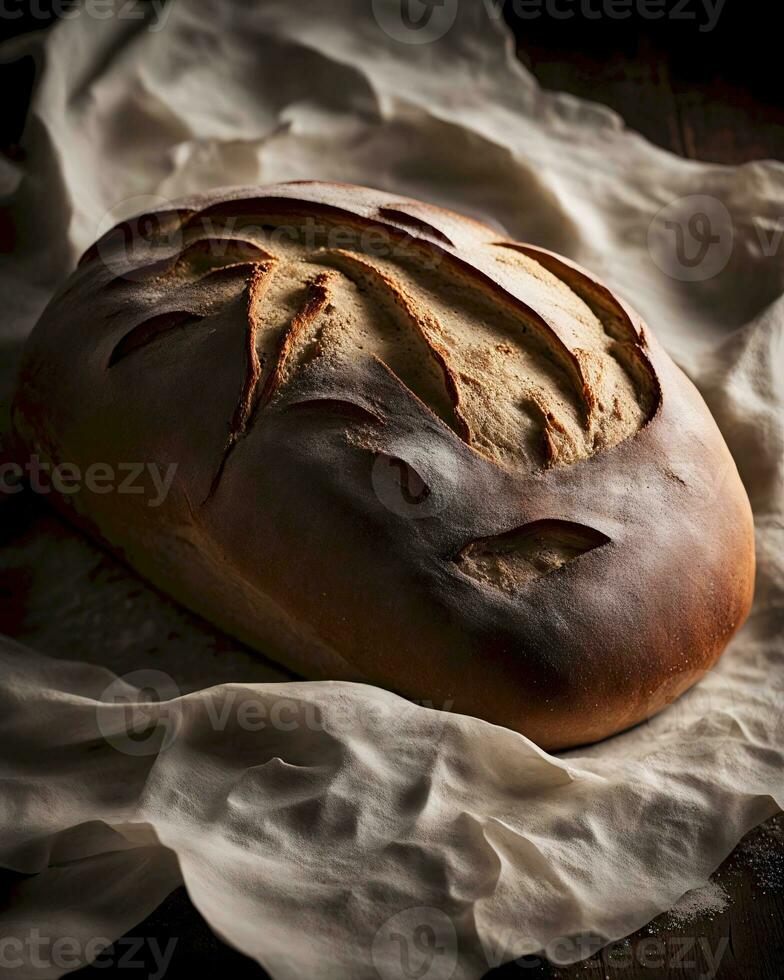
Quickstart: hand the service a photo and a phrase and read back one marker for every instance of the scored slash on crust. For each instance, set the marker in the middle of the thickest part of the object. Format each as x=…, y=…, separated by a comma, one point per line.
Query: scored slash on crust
x=630, y=342
x=147, y=331
x=318, y=296
x=511, y=560
x=255, y=393
x=205, y=256
x=426, y=326
x=257, y=286
x=547, y=387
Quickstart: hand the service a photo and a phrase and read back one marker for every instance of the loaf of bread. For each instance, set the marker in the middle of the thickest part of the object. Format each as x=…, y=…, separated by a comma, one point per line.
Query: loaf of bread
x=403, y=451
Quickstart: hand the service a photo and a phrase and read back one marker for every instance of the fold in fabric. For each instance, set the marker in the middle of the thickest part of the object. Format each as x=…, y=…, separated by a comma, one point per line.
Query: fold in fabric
x=344, y=814
x=335, y=829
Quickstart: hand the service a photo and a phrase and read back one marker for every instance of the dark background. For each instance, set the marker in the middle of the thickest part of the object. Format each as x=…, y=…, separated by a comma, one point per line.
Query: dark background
x=712, y=95
x=705, y=94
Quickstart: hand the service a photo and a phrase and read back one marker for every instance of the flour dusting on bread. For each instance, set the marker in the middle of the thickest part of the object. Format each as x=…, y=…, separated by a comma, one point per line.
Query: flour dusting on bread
x=529, y=376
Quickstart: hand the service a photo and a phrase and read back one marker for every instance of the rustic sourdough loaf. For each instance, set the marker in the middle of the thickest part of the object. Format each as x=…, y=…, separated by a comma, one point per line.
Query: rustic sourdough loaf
x=407, y=452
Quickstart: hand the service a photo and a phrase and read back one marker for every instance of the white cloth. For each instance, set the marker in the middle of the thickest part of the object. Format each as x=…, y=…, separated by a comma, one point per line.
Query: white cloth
x=342, y=832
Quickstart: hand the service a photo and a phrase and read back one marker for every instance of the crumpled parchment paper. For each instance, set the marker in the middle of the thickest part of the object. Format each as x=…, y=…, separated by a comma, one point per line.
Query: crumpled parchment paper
x=333, y=829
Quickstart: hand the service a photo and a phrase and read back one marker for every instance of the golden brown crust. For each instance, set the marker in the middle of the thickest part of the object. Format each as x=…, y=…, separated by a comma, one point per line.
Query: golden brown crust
x=406, y=453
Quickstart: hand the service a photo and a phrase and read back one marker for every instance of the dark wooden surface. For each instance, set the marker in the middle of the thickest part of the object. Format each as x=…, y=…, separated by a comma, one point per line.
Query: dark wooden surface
x=699, y=95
